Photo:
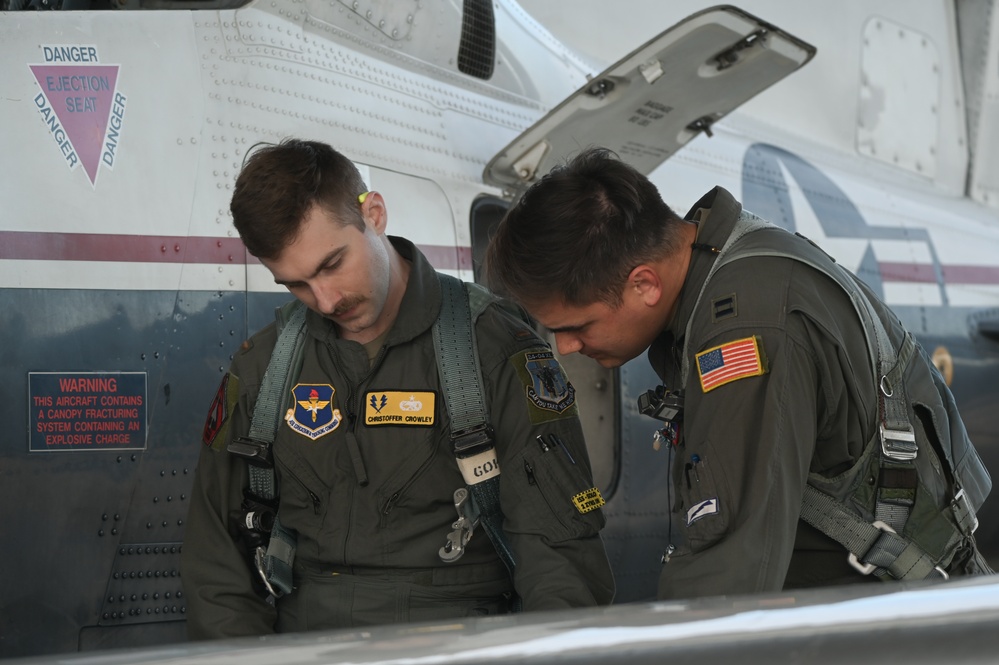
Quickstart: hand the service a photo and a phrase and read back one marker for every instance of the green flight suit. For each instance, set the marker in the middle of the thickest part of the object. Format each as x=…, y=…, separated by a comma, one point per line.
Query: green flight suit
x=750, y=437
x=369, y=487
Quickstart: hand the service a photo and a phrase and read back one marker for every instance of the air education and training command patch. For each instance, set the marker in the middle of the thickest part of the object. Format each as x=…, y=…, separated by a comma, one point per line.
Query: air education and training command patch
x=550, y=396
x=730, y=362
x=313, y=414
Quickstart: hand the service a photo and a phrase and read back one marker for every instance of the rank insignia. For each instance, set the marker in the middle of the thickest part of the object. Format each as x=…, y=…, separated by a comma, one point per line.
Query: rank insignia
x=217, y=423
x=548, y=390
x=313, y=414
x=730, y=362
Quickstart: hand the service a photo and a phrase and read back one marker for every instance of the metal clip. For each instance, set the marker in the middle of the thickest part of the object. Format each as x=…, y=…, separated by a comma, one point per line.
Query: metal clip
x=899, y=445
x=462, y=528
x=258, y=559
x=868, y=568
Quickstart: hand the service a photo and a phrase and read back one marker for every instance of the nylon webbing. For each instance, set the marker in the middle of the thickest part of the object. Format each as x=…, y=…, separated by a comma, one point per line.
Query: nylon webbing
x=275, y=563
x=870, y=544
x=457, y=358
x=461, y=380
x=273, y=389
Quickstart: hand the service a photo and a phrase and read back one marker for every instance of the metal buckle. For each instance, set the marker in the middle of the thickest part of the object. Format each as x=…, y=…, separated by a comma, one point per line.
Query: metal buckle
x=962, y=506
x=462, y=528
x=868, y=568
x=256, y=453
x=468, y=440
x=899, y=445
x=258, y=559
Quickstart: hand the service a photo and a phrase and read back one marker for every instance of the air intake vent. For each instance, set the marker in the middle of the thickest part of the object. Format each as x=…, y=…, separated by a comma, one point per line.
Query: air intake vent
x=477, y=51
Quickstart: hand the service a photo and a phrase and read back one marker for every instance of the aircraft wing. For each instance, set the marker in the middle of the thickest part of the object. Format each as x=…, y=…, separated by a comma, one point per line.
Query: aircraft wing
x=653, y=101
x=947, y=622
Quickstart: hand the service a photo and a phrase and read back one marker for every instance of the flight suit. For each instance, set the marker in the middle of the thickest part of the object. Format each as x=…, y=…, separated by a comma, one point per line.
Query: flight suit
x=755, y=426
x=366, y=474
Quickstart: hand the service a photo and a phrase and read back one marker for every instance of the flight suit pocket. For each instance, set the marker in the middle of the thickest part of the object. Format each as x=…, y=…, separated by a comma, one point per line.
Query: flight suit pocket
x=558, y=493
x=704, y=502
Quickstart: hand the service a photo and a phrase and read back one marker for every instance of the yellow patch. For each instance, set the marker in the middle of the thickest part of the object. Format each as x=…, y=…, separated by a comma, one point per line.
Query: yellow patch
x=399, y=407
x=588, y=501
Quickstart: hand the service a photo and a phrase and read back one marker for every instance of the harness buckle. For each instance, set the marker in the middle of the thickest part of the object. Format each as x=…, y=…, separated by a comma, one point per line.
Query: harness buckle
x=258, y=560
x=469, y=441
x=898, y=445
x=964, y=511
x=256, y=453
x=868, y=568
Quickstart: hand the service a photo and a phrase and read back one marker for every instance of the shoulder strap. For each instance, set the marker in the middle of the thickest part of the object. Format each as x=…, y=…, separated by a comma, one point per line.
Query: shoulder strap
x=461, y=379
x=275, y=563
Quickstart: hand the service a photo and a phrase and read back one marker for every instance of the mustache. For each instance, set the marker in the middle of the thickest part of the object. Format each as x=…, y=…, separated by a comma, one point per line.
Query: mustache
x=347, y=305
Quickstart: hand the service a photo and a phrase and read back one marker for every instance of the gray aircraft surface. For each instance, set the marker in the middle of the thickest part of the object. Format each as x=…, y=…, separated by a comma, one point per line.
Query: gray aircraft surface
x=124, y=290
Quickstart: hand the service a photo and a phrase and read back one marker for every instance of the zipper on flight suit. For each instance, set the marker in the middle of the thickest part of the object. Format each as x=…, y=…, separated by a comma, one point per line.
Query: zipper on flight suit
x=352, y=409
x=316, y=503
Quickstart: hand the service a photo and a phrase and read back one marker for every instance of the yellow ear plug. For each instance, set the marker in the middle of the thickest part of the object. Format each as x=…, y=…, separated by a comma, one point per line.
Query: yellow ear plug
x=363, y=197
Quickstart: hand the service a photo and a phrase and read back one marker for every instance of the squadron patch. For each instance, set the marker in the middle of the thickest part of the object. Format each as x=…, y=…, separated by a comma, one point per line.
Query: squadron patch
x=399, y=407
x=549, y=394
x=217, y=423
x=313, y=414
x=730, y=362
x=588, y=501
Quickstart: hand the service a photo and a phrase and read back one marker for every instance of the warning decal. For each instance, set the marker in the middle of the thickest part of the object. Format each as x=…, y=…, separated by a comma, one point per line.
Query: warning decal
x=81, y=106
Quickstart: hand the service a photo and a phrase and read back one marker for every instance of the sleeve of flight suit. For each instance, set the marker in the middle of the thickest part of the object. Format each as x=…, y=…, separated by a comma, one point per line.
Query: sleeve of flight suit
x=550, y=504
x=217, y=578
x=740, y=473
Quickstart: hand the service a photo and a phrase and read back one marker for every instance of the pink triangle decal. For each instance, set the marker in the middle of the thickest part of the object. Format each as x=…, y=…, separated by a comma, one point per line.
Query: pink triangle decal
x=80, y=97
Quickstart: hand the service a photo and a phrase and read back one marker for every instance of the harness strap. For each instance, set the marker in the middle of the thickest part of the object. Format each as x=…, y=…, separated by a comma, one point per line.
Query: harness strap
x=275, y=563
x=461, y=380
x=877, y=545
x=873, y=547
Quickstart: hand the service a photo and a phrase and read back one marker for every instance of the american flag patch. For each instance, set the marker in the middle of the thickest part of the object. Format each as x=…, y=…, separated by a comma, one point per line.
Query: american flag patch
x=730, y=362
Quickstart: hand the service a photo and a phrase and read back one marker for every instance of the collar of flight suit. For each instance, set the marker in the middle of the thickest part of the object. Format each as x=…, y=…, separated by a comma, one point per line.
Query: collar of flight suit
x=716, y=213
x=420, y=305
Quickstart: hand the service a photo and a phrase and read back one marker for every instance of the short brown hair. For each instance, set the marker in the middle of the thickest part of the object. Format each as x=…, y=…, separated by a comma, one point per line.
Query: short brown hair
x=280, y=183
x=577, y=233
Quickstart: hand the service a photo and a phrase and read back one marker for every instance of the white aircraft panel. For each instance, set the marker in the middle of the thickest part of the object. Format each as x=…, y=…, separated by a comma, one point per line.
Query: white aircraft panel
x=912, y=293
x=902, y=251
x=900, y=97
x=84, y=115
x=120, y=276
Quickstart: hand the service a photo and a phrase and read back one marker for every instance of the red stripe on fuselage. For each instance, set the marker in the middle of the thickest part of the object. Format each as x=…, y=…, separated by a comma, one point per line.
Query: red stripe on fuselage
x=41, y=246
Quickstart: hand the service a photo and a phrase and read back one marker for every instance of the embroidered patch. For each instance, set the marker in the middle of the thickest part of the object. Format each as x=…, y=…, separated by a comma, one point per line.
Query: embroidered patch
x=702, y=509
x=399, y=407
x=730, y=362
x=217, y=423
x=313, y=414
x=724, y=308
x=588, y=501
x=550, y=396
